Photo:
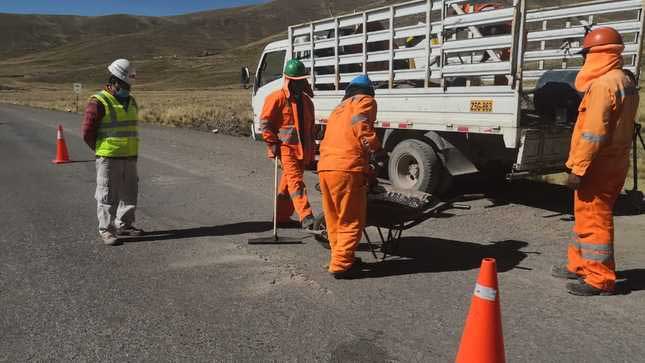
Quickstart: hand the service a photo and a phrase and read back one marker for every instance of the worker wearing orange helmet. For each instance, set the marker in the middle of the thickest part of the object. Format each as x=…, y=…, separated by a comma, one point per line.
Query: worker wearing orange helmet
x=287, y=122
x=343, y=169
x=598, y=160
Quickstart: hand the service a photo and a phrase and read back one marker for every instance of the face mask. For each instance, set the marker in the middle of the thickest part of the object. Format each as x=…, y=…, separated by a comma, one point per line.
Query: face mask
x=297, y=87
x=122, y=93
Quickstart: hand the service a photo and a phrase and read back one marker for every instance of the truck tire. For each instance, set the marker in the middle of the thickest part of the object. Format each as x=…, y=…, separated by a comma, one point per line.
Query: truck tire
x=414, y=165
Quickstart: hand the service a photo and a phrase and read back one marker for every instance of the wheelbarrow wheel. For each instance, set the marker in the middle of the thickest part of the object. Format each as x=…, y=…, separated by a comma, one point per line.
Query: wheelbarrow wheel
x=320, y=225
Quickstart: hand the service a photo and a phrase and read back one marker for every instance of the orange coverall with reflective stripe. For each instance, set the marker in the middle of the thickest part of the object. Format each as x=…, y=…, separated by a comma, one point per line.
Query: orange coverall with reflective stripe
x=600, y=148
x=282, y=124
x=342, y=168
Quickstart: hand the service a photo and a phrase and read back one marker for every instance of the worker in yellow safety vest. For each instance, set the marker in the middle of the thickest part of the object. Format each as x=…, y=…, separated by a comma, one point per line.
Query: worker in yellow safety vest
x=110, y=130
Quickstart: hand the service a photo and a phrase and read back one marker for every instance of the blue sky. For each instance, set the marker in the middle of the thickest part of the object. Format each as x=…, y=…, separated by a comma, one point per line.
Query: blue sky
x=138, y=7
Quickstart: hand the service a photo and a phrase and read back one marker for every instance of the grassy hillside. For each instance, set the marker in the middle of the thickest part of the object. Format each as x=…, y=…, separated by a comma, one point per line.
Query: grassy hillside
x=200, y=49
x=195, y=50
x=185, y=35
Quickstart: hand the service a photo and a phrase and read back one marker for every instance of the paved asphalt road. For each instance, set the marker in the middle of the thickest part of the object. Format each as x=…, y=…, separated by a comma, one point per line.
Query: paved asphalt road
x=192, y=289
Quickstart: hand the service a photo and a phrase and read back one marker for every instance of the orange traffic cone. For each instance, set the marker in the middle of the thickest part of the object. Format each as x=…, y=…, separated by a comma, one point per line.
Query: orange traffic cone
x=483, y=340
x=62, y=156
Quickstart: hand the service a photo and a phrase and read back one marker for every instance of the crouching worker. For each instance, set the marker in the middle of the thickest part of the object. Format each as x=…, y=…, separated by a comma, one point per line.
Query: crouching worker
x=287, y=122
x=343, y=169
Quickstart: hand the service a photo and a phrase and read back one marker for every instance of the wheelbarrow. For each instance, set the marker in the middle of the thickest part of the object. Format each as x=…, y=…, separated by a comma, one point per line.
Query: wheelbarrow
x=393, y=212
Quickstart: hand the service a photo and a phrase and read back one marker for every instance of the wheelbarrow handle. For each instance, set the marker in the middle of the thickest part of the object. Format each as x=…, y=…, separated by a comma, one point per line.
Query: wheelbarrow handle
x=469, y=197
x=444, y=206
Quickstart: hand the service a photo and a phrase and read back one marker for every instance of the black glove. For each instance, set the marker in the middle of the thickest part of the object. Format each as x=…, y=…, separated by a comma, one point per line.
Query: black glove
x=574, y=181
x=379, y=158
x=373, y=186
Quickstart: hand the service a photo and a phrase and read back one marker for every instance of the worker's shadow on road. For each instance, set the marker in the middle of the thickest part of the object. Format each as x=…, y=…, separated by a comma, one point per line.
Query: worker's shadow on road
x=536, y=194
x=214, y=231
x=427, y=255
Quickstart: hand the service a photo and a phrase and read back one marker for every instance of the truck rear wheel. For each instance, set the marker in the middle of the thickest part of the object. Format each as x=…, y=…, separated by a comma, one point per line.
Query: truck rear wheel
x=414, y=165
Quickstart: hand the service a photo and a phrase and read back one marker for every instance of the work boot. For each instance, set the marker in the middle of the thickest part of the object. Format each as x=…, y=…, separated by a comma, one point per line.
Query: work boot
x=562, y=272
x=581, y=288
x=352, y=272
x=308, y=222
x=109, y=238
x=129, y=231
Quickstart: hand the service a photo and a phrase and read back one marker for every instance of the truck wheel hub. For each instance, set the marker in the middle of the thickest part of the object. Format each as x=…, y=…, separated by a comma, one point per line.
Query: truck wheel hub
x=408, y=170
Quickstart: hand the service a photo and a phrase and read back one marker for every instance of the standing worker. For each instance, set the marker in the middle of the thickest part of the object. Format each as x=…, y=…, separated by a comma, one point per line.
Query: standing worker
x=110, y=130
x=287, y=122
x=343, y=169
x=599, y=159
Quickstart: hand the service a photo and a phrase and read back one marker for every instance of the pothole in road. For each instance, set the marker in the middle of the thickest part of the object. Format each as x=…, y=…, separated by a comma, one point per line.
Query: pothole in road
x=359, y=350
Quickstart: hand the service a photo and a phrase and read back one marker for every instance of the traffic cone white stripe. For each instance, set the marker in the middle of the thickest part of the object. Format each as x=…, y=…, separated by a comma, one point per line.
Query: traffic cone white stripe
x=484, y=292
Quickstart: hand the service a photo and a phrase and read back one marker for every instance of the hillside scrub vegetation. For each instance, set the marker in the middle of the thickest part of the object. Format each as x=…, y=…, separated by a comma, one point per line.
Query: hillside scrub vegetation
x=226, y=109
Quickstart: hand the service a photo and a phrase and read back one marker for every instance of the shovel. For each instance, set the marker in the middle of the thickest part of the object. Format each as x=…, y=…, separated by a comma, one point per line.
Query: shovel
x=274, y=239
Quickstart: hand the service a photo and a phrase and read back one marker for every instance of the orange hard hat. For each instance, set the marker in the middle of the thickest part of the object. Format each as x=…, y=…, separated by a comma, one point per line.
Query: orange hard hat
x=601, y=36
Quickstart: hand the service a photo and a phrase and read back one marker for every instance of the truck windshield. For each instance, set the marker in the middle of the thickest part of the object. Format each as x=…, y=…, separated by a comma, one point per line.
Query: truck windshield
x=271, y=68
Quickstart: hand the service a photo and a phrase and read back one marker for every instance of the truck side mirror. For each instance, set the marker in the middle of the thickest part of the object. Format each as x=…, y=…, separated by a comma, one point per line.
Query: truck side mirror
x=256, y=83
x=245, y=76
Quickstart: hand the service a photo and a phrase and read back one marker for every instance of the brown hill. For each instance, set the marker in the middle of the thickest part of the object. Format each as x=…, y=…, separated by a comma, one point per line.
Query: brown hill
x=194, y=50
x=54, y=49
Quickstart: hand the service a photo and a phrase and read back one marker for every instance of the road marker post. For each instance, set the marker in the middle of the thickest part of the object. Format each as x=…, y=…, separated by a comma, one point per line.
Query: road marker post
x=78, y=88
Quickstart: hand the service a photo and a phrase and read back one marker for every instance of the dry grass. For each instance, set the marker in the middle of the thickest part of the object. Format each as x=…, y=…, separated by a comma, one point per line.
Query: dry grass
x=228, y=110
x=225, y=109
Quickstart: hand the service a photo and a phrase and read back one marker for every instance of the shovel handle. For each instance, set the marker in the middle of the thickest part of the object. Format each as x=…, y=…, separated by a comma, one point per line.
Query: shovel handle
x=275, y=198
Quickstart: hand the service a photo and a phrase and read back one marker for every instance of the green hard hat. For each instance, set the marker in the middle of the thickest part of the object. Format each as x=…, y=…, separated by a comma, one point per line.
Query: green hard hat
x=295, y=69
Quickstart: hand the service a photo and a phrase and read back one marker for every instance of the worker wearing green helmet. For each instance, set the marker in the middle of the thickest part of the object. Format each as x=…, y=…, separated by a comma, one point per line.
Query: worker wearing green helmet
x=295, y=70
x=287, y=122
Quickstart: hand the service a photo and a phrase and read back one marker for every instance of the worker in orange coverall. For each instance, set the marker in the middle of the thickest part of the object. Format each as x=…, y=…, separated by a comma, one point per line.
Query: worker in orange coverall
x=287, y=122
x=343, y=169
x=599, y=159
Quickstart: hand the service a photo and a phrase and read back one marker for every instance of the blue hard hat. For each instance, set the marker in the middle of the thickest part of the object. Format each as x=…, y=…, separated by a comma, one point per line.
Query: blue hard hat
x=362, y=81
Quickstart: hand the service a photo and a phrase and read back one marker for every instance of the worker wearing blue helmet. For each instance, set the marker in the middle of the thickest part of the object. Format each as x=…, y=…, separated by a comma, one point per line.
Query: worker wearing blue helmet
x=345, y=151
x=359, y=85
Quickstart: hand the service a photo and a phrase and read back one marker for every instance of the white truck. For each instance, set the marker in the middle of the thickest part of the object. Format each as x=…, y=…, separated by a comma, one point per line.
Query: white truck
x=463, y=86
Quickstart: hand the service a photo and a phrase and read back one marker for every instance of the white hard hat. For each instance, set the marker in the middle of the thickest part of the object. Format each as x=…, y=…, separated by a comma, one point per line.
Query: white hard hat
x=123, y=70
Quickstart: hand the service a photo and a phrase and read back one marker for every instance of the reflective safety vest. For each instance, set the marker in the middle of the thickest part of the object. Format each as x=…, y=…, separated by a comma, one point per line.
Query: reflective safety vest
x=117, y=135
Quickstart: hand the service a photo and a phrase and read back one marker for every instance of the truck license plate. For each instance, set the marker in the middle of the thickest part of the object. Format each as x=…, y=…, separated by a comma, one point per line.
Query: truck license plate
x=481, y=106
